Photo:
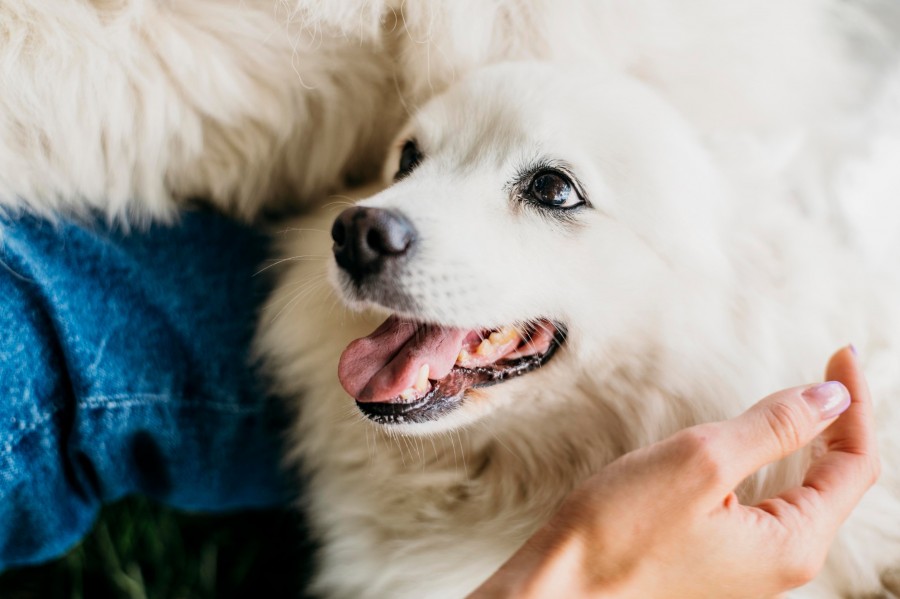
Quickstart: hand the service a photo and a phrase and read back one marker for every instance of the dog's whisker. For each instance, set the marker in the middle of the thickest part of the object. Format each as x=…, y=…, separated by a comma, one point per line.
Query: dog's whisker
x=375, y=436
x=407, y=443
x=453, y=448
x=410, y=445
x=403, y=103
x=423, y=457
x=399, y=449
x=309, y=257
x=347, y=203
x=333, y=305
x=290, y=288
x=297, y=294
x=368, y=448
x=462, y=451
x=434, y=447
x=493, y=434
x=278, y=301
x=298, y=297
x=339, y=200
x=301, y=230
x=316, y=276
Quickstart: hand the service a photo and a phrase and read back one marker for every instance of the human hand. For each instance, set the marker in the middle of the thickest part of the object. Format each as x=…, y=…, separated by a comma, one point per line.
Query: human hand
x=664, y=521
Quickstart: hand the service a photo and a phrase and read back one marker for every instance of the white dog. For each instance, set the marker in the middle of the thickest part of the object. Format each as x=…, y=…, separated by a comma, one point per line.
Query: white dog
x=574, y=261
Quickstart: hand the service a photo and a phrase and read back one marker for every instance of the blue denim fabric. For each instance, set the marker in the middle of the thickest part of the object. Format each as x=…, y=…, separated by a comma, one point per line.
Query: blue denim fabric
x=123, y=369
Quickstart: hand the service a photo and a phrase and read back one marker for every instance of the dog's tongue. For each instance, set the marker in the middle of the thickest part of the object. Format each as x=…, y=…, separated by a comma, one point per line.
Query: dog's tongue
x=386, y=363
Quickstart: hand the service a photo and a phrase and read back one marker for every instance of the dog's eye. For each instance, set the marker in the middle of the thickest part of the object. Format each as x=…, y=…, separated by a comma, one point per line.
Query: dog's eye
x=410, y=157
x=554, y=189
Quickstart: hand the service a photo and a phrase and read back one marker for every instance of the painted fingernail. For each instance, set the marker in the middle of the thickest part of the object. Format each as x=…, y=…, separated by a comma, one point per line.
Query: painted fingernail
x=853, y=349
x=830, y=399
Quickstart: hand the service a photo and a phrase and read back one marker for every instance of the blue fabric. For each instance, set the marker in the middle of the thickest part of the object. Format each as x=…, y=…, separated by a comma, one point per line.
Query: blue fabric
x=124, y=369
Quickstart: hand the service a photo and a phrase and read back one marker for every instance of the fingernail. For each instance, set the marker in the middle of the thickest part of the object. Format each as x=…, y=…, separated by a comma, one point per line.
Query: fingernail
x=830, y=399
x=853, y=349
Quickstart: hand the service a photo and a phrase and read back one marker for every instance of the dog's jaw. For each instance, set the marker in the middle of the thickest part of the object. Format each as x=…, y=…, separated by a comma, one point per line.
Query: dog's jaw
x=408, y=372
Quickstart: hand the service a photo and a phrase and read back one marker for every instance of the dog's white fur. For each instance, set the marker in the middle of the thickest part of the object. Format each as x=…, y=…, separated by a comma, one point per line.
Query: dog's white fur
x=129, y=107
x=730, y=248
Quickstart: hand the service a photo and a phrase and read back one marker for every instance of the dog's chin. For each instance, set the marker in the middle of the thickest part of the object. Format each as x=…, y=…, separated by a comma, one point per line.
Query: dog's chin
x=476, y=406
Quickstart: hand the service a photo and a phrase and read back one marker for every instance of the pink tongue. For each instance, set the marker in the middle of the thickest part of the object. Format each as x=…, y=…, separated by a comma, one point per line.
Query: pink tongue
x=386, y=363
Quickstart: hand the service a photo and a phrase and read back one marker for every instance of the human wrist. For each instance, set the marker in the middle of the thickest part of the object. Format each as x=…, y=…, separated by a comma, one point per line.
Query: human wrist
x=572, y=567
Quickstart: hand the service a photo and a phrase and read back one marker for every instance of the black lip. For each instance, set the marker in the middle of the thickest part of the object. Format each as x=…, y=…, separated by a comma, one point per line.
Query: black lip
x=448, y=394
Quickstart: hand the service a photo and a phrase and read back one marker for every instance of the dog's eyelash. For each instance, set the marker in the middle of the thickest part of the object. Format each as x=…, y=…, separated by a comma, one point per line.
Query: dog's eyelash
x=410, y=157
x=566, y=216
x=518, y=187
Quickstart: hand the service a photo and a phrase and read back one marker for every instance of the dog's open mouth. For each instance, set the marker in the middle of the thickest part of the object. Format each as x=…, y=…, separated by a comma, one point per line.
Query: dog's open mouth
x=412, y=372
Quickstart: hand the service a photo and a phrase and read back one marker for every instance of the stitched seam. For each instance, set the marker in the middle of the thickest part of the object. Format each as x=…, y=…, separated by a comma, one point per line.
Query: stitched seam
x=129, y=400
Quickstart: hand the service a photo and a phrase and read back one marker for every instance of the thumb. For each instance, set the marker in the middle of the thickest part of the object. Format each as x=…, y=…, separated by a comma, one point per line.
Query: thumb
x=779, y=425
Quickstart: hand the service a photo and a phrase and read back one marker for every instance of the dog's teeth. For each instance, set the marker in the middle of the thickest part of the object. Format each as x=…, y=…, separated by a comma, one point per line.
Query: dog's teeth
x=421, y=387
x=422, y=380
x=498, y=341
x=504, y=335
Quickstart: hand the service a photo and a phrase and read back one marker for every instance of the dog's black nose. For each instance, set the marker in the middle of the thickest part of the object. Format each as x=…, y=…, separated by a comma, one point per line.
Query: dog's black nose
x=365, y=239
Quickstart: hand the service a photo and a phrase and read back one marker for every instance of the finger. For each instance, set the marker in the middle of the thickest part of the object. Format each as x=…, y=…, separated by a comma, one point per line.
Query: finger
x=849, y=465
x=776, y=427
x=853, y=432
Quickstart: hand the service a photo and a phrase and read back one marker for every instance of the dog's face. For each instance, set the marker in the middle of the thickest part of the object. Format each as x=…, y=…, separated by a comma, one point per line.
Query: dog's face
x=538, y=216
